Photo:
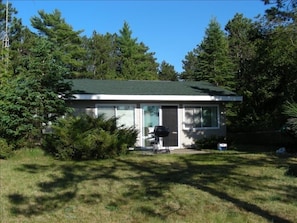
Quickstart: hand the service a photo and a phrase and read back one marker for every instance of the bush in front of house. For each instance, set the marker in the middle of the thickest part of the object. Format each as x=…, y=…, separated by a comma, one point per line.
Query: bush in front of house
x=88, y=138
x=210, y=142
x=290, y=110
x=5, y=149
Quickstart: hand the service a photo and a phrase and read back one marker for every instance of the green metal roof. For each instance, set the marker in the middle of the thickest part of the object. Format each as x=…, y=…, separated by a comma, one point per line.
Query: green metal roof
x=146, y=87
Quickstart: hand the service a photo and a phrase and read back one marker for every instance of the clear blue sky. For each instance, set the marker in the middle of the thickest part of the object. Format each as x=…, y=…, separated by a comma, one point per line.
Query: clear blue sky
x=169, y=28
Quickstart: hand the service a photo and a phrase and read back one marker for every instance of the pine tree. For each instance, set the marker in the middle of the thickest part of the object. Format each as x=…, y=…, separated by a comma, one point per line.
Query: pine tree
x=133, y=59
x=62, y=35
x=167, y=72
x=36, y=96
x=101, y=56
x=214, y=62
x=210, y=60
x=190, y=66
x=242, y=34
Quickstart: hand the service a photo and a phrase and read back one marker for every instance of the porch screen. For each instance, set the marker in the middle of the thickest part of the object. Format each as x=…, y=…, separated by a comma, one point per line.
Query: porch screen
x=124, y=113
x=201, y=117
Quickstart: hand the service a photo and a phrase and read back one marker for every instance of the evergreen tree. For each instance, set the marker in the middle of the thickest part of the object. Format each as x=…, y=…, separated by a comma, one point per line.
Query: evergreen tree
x=167, y=72
x=213, y=59
x=213, y=62
x=264, y=53
x=281, y=11
x=190, y=66
x=20, y=51
x=101, y=56
x=242, y=36
x=290, y=110
x=56, y=30
x=133, y=59
x=36, y=96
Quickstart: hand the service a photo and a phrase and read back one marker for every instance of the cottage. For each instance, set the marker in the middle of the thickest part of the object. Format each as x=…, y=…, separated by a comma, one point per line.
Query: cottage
x=190, y=110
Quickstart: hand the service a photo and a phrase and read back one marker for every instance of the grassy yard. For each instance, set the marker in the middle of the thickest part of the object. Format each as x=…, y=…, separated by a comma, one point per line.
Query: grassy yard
x=225, y=186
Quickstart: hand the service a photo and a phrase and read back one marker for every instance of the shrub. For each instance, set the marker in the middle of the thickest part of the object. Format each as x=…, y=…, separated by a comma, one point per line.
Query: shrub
x=209, y=142
x=5, y=149
x=85, y=138
x=290, y=110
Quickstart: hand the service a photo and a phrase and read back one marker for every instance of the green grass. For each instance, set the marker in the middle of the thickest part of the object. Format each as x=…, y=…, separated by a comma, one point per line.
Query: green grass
x=226, y=186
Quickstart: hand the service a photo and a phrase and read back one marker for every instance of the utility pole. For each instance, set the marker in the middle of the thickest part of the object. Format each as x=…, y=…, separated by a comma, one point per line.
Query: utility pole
x=6, y=37
x=5, y=41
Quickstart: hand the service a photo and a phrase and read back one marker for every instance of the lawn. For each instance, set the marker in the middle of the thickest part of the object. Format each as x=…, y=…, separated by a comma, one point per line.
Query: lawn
x=220, y=186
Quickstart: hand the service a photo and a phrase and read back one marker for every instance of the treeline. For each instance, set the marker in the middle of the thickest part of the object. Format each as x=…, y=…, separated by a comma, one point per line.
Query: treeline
x=255, y=58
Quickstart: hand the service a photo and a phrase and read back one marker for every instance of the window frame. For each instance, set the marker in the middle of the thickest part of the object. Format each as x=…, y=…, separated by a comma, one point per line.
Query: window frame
x=200, y=106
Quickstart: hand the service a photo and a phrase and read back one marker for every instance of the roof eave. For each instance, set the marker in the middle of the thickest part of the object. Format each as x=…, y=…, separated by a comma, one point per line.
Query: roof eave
x=109, y=97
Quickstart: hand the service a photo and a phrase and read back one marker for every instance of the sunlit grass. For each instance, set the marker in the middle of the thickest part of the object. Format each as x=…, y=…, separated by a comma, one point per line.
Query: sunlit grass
x=218, y=187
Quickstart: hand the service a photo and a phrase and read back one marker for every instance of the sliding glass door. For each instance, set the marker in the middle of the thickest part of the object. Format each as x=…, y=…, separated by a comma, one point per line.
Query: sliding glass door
x=151, y=118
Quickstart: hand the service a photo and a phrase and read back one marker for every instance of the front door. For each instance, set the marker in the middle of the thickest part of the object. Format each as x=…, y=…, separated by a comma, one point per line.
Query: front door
x=169, y=120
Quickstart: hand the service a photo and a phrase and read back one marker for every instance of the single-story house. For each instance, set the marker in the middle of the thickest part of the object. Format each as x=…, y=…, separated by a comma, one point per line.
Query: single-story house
x=190, y=110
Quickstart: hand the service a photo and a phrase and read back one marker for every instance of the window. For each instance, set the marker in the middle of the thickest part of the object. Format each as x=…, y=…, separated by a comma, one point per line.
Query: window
x=107, y=111
x=124, y=113
x=201, y=117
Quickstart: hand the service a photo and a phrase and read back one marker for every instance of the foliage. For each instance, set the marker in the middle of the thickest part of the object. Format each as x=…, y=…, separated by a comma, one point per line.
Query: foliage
x=281, y=11
x=167, y=72
x=266, y=71
x=212, y=60
x=242, y=35
x=244, y=39
x=290, y=110
x=85, y=138
x=5, y=149
x=118, y=56
x=210, y=142
x=190, y=66
x=68, y=43
x=101, y=56
x=134, y=61
x=34, y=98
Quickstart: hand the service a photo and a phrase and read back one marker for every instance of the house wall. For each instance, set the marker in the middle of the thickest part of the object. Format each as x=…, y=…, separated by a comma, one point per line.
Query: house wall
x=186, y=137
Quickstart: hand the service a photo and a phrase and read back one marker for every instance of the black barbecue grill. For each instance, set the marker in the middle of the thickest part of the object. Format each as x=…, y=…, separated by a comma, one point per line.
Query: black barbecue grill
x=160, y=131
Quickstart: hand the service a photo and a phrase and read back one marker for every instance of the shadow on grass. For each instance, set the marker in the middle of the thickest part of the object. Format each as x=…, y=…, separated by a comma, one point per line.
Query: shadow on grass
x=292, y=170
x=184, y=175
x=152, y=177
x=60, y=189
x=247, y=206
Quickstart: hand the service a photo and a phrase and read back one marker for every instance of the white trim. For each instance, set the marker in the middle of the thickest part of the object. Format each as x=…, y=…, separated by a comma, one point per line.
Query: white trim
x=106, y=97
